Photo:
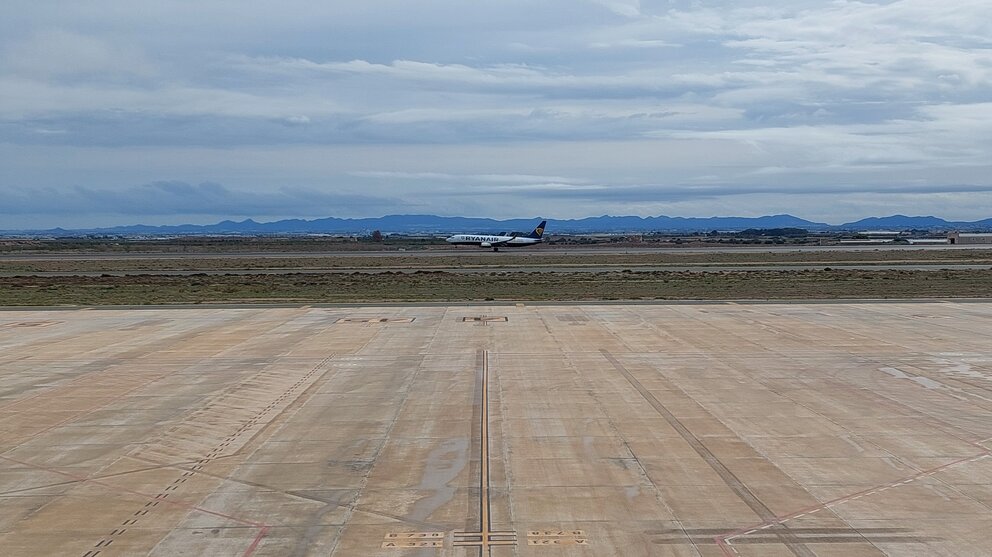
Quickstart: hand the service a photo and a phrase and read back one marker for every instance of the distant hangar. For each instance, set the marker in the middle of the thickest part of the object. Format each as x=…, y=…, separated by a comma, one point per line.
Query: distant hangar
x=970, y=237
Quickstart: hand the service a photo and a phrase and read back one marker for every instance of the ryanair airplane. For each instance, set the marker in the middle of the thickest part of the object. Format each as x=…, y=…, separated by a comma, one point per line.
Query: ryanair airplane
x=503, y=239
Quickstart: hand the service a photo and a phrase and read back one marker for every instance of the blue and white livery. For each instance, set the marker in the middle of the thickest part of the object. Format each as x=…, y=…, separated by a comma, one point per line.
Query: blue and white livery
x=503, y=239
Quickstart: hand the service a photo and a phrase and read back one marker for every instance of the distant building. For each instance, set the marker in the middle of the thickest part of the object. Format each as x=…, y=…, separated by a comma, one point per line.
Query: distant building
x=881, y=233
x=970, y=238
x=868, y=241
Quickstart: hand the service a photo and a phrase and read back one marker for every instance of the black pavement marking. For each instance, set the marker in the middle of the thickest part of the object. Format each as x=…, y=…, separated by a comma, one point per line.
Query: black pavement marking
x=783, y=533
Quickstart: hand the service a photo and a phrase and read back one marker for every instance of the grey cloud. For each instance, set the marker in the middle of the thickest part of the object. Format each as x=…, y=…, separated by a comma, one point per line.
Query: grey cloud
x=626, y=8
x=521, y=79
x=176, y=197
x=130, y=128
x=162, y=199
x=551, y=98
x=638, y=193
x=442, y=176
x=68, y=56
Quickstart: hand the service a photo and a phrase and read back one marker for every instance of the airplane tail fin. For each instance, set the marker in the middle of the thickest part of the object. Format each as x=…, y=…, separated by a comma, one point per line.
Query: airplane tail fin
x=539, y=231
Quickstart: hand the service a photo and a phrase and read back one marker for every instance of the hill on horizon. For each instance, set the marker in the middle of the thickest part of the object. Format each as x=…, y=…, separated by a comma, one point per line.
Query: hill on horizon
x=432, y=224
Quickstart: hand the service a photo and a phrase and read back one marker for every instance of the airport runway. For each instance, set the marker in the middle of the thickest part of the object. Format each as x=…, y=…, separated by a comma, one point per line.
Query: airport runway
x=448, y=252
x=854, y=429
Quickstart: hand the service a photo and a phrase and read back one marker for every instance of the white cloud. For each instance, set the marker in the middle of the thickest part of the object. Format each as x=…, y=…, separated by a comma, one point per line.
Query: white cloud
x=60, y=54
x=635, y=43
x=626, y=8
x=443, y=176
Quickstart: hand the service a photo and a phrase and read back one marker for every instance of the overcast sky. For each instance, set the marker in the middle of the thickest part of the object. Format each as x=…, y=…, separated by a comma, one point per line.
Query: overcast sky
x=119, y=112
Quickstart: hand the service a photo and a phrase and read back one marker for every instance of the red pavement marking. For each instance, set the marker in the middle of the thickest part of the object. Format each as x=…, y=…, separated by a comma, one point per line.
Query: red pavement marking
x=258, y=539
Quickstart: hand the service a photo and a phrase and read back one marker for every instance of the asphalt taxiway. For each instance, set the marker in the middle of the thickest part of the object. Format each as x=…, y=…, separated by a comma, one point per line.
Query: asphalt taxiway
x=724, y=429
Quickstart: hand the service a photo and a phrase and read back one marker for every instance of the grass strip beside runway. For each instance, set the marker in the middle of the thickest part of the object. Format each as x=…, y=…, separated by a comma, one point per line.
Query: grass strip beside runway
x=534, y=286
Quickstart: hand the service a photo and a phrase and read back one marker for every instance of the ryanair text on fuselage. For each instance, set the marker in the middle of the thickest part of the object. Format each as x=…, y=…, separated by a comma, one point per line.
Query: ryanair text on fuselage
x=500, y=240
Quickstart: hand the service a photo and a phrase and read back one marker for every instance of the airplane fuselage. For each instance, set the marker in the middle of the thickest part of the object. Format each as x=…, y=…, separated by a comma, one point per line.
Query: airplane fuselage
x=497, y=241
x=487, y=241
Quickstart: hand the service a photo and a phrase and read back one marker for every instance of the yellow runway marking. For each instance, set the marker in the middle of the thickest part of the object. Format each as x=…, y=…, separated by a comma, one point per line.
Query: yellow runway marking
x=486, y=536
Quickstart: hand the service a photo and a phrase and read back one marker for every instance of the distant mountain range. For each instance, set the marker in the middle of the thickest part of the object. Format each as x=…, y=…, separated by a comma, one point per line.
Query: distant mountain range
x=431, y=224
